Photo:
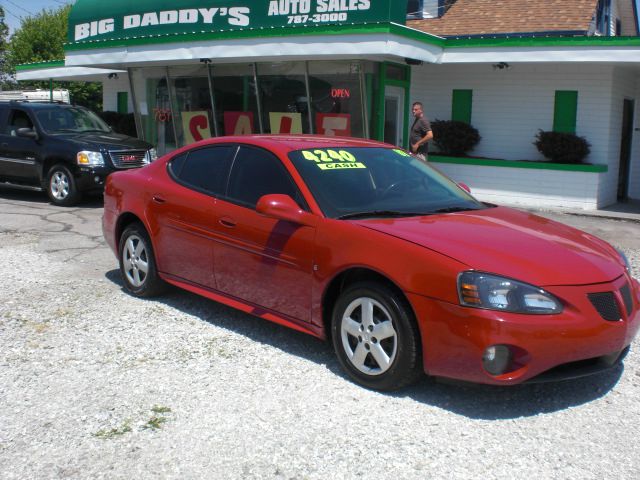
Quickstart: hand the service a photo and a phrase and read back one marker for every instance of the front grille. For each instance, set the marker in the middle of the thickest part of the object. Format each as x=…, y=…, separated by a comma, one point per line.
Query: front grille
x=627, y=298
x=128, y=158
x=606, y=305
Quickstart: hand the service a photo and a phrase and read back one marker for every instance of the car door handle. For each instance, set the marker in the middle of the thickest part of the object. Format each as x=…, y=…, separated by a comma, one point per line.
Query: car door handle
x=227, y=222
x=158, y=199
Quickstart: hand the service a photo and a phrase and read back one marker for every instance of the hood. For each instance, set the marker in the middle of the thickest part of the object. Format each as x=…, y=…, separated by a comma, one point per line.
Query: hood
x=107, y=141
x=511, y=243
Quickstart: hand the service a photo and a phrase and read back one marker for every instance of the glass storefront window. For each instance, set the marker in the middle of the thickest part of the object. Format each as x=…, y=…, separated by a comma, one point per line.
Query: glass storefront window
x=192, y=103
x=235, y=95
x=154, y=107
x=174, y=104
x=336, y=98
x=283, y=94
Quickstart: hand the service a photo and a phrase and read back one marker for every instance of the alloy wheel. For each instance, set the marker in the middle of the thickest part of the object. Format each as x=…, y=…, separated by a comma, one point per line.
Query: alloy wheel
x=369, y=338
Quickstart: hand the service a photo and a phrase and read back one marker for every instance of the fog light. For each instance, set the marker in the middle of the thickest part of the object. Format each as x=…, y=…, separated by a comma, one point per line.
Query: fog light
x=496, y=359
x=96, y=179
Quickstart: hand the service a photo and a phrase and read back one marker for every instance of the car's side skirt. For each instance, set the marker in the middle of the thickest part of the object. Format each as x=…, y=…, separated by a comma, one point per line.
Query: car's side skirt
x=243, y=306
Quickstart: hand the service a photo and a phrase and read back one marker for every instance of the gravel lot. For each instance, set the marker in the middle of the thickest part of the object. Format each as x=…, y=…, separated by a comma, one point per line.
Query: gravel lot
x=97, y=384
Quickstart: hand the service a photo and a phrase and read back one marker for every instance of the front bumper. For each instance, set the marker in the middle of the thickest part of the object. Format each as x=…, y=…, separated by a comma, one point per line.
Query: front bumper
x=454, y=338
x=92, y=179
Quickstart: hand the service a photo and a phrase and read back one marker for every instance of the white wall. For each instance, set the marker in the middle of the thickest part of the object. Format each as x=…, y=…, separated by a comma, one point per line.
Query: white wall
x=511, y=105
x=624, y=11
x=111, y=87
x=524, y=187
x=634, y=172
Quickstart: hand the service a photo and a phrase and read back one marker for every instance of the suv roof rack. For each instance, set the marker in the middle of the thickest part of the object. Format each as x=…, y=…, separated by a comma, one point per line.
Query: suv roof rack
x=26, y=100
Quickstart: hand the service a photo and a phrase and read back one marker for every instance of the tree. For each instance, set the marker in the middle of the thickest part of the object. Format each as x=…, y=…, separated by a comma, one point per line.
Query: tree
x=41, y=38
x=4, y=33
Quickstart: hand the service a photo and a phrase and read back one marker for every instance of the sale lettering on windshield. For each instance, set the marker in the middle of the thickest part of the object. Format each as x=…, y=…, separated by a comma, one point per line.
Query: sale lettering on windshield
x=144, y=17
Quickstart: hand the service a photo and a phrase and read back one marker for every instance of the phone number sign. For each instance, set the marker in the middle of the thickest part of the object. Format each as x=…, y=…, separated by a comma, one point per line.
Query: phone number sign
x=122, y=19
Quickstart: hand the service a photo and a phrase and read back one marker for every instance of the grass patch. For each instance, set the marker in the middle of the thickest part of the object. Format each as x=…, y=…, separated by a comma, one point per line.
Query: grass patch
x=114, y=432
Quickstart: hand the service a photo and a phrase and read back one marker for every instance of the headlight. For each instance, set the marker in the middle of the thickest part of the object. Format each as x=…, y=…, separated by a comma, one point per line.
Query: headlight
x=625, y=260
x=483, y=290
x=151, y=156
x=92, y=159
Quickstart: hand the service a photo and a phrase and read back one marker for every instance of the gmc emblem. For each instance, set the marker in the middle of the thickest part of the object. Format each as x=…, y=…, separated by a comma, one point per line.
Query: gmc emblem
x=129, y=158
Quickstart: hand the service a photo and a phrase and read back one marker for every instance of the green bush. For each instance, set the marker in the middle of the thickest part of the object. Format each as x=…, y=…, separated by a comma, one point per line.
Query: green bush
x=453, y=137
x=562, y=147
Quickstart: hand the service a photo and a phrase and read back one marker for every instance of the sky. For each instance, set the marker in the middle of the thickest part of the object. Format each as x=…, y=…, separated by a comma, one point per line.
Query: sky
x=15, y=9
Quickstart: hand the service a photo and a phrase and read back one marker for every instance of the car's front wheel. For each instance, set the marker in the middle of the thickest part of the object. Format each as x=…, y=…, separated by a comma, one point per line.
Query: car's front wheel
x=61, y=186
x=375, y=337
x=138, y=264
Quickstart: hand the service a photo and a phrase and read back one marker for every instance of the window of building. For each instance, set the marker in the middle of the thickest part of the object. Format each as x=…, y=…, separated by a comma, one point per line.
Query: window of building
x=461, y=106
x=603, y=17
x=565, y=111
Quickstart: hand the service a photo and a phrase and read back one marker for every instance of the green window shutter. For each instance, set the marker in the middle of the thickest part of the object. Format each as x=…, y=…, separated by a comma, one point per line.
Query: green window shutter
x=461, y=106
x=566, y=111
x=123, y=102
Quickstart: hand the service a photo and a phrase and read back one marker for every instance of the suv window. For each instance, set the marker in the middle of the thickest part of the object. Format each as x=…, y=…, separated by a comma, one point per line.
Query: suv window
x=18, y=119
x=257, y=172
x=206, y=169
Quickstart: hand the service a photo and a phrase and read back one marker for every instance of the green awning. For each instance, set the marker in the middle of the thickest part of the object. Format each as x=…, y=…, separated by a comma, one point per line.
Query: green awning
x=112, y=20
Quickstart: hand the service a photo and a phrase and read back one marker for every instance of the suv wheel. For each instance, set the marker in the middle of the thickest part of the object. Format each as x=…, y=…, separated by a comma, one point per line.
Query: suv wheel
x=61, y=186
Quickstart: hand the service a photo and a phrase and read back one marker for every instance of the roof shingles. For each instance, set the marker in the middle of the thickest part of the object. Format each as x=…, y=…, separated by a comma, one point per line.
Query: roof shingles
x=495, y=17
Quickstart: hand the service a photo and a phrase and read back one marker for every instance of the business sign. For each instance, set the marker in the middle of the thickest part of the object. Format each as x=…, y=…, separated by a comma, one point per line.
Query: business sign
x=238, y=123
x=333, y=124
x=195, y=126
x=123, y=19
x=285, y=122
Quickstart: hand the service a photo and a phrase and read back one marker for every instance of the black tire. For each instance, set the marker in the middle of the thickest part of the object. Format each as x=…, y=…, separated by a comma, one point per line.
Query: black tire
x=61, y=186
x=358, y=341
x=138, y=263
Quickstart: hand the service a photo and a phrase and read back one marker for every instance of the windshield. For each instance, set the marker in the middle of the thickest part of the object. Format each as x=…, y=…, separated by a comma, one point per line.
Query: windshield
x=71, y=119
x=377, y=181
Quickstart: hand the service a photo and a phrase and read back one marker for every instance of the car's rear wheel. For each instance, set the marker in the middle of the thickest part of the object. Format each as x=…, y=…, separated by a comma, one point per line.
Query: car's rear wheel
x=61, y=186
x=376, y=337
x=138, y=264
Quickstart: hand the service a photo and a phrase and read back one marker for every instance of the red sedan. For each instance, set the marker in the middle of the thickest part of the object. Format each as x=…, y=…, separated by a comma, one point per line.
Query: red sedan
x=359, y=242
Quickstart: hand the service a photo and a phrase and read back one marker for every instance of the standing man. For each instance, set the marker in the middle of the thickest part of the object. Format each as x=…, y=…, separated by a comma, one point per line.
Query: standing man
x=420, y=132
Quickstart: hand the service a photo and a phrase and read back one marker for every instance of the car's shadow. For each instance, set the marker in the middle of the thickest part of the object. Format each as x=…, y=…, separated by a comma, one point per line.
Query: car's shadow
x=40, y=198
x=473, y=401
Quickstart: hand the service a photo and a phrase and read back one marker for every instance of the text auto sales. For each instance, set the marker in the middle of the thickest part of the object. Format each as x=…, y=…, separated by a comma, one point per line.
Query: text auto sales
x=297, y=11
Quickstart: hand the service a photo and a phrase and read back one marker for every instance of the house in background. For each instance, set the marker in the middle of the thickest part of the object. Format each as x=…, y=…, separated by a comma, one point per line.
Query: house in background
x=508, y=67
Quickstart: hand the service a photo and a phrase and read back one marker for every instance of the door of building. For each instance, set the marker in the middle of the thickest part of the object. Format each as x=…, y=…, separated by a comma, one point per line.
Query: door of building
x=625, y=149
x=394, y=117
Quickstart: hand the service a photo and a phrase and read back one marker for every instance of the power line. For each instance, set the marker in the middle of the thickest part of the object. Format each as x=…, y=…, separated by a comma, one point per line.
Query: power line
x=17, y=17
x=21, y=8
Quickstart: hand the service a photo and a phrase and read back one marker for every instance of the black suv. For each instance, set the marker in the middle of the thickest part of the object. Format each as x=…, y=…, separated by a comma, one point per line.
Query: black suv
x=63, y=149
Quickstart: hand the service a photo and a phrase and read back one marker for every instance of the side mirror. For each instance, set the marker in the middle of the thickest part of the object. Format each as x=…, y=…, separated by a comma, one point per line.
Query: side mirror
x=465, y=187
x=283, y=207
x=27, y=133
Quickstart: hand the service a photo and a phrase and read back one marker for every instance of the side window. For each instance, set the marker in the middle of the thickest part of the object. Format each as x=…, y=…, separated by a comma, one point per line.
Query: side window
x=205, y=169
x=257, y=172
x=18, y=119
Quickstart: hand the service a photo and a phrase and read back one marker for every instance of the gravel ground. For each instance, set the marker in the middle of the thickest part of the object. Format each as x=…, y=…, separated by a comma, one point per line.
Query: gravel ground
x=97, y=384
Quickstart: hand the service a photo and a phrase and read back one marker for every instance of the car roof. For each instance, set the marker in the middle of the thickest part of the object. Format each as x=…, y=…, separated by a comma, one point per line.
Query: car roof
x=36, y=105
x=289, y=143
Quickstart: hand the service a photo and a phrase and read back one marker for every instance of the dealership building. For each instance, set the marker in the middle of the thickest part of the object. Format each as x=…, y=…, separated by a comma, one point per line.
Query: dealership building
x=195, y=69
